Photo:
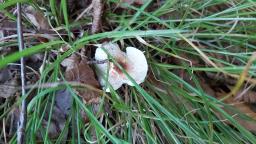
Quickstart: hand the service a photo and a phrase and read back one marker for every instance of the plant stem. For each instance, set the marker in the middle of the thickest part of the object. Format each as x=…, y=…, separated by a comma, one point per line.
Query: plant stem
x=23, y=112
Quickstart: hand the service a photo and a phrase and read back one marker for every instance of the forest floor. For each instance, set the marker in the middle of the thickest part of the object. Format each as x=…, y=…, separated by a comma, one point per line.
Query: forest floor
x=200, y=71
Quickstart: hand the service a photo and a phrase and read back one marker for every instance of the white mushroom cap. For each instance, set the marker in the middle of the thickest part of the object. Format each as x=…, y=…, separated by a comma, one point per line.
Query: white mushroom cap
x=139, y=66
x=133, y=61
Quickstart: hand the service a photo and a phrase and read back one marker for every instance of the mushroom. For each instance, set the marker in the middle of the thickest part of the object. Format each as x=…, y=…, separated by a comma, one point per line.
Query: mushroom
x=133, y=62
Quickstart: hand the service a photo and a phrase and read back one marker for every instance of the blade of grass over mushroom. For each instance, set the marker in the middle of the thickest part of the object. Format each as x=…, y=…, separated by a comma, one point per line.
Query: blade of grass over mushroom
x=129, y=34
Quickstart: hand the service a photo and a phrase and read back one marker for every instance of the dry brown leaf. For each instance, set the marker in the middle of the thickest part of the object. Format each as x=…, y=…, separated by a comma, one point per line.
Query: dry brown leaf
x=37, y=18
x=5, y=75
x=9, y=88
x=245, y=109
x=81, y=72
x=70, y=62
x=242, y=107
x=249, y=97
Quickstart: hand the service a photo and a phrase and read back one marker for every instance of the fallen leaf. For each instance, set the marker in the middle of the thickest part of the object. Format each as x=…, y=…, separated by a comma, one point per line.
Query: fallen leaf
x=78, y=70
x=249, y=97
x=9, y=88
x=57, y=122
x=243, y=108
x=70, y=62
x=238, y=107
x=5, y=75
x=37, y=18
x=63, y=101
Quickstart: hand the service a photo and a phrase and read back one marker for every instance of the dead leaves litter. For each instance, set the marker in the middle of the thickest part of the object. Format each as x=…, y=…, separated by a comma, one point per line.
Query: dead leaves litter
x=79, y=71
x=37, y=18
x=8, y=84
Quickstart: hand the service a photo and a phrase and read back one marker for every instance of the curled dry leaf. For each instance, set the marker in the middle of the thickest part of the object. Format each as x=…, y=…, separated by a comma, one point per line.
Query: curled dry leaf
x=37, y=18
x=78, y=70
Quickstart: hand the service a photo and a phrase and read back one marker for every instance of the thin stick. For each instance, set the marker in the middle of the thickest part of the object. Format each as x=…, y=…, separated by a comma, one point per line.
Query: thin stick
x=97, y=13
x=85, y=11
x=23, y=112
x=5, y=140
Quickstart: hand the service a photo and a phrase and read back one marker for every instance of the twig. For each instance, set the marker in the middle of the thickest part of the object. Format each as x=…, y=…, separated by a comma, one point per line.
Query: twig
x=62, y=83
x=23, y=112
x=242, y=78
x=71, y=83
x=97, y=13
x=85, y=11
x=97, y=61
x=5, y=140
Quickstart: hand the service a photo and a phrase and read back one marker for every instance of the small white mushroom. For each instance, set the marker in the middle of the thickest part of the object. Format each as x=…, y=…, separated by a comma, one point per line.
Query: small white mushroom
x=133, y=61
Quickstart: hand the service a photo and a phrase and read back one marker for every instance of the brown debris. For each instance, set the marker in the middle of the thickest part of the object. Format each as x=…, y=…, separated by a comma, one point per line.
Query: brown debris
x=78, y=70
x=245, y=109
x=248, y=97
x=8, y=89
x=37, y=18
x=241, y=105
